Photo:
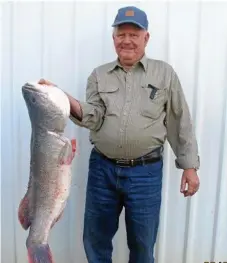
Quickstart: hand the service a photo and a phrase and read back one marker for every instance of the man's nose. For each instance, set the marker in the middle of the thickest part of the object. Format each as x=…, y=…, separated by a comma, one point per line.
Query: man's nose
x=127, y=40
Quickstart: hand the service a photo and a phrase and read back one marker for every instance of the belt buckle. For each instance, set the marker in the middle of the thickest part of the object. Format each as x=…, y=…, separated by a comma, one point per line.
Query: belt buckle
x=121, y=162
x=125, y=163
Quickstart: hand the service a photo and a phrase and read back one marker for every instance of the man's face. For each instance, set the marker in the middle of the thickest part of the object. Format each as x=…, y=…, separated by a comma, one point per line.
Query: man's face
x=130, y=42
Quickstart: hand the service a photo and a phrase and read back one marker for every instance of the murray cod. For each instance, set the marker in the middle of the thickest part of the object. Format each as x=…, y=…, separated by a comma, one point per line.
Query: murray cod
x=51, y=155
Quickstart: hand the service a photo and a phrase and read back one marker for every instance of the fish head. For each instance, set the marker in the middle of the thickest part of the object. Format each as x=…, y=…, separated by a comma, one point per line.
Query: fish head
x=48, y=106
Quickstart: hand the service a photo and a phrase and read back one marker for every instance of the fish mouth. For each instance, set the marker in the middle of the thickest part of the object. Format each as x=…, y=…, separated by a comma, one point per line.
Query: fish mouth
x=34, y=88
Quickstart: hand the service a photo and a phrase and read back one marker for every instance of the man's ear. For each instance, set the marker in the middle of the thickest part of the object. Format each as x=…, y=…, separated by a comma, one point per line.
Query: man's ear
x=147, y=37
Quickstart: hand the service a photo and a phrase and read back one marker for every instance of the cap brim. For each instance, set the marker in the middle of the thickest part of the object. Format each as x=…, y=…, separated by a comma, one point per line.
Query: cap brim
x=128, y=22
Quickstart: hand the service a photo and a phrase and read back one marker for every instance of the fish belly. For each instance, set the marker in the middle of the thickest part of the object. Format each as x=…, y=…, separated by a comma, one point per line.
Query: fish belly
x=51, y=181
x=48, y=191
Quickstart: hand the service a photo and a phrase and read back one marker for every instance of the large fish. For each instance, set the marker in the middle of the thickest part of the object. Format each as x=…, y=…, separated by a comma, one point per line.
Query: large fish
x=51, y=155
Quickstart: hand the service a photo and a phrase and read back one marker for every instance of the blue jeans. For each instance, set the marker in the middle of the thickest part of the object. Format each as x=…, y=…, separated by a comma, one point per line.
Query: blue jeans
x=111, y=187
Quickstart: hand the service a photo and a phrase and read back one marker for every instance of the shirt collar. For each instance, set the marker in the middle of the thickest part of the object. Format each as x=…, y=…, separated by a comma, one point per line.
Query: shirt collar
x=144, y=61
x=115, y=64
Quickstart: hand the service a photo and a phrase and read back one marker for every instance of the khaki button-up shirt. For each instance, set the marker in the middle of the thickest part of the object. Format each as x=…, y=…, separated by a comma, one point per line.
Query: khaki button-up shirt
x=130, y=113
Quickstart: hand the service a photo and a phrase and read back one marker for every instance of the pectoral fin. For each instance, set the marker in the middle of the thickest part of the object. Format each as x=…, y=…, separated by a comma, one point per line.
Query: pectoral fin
x=68, y=152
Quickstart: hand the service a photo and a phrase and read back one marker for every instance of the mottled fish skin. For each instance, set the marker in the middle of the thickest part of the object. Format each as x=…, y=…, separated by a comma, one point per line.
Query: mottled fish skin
x=50, y=167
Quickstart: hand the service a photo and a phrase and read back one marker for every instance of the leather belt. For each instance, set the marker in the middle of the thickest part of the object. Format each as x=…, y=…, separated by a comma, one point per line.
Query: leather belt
x=152, y=157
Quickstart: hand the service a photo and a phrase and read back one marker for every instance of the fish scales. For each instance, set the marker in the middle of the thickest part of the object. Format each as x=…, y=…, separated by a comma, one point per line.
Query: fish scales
x=50, y=167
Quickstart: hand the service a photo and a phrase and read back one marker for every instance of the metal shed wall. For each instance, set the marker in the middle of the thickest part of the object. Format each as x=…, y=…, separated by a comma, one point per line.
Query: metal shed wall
x=55, y=40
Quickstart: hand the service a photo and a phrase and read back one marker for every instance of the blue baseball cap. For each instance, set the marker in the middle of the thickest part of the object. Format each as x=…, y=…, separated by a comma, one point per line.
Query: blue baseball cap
x=131, y=14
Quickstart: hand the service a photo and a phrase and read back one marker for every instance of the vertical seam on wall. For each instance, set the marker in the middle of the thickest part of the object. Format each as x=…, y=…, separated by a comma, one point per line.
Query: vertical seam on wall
x=220, y=173
x=13, y=118
x=194, y=115
x=42, y=38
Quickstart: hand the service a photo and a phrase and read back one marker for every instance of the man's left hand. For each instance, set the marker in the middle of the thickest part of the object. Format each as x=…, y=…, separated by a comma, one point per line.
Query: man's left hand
x=191, y=179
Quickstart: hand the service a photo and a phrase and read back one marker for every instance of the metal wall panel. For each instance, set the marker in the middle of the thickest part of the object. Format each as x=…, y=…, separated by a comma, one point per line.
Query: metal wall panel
x=55, y=40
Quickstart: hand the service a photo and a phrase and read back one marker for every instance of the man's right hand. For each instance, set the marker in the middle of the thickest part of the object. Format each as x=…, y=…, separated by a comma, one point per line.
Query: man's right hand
x=75, y=107
x=46, y=82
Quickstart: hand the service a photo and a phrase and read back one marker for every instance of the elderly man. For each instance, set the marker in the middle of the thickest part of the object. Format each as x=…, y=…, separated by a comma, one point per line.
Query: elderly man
x=132, y=105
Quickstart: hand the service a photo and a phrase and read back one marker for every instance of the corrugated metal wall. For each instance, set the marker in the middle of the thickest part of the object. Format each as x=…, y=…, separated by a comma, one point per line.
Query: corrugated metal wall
x=55, y=40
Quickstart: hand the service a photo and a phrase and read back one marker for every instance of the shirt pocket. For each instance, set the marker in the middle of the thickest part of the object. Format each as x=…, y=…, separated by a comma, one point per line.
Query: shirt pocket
x=109, y=93
x=152, y=100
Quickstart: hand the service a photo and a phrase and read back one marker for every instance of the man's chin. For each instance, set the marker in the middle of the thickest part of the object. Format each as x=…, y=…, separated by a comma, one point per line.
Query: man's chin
x=128, y=58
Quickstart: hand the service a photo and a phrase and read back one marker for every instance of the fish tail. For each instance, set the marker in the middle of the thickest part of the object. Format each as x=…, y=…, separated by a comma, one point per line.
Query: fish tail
x=40, y=253
x=23, y=213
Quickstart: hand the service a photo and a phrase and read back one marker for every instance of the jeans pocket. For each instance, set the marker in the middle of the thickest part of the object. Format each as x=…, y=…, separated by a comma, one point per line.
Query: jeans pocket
x=97, y=174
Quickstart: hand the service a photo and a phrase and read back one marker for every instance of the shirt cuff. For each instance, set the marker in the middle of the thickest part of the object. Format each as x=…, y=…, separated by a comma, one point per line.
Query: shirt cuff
x=188, y=163
x=86, y=110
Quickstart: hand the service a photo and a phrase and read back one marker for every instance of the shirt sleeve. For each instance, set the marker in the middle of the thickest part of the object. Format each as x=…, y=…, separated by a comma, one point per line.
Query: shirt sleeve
x=180, y=131
x=93, y=109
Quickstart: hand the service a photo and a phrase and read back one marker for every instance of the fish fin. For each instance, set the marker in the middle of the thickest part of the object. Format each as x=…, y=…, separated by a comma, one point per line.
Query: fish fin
x=68, y=152
x=40, y=254
x=23, y=213
x=57, y=219
x=60, y=215
x=73, y=143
